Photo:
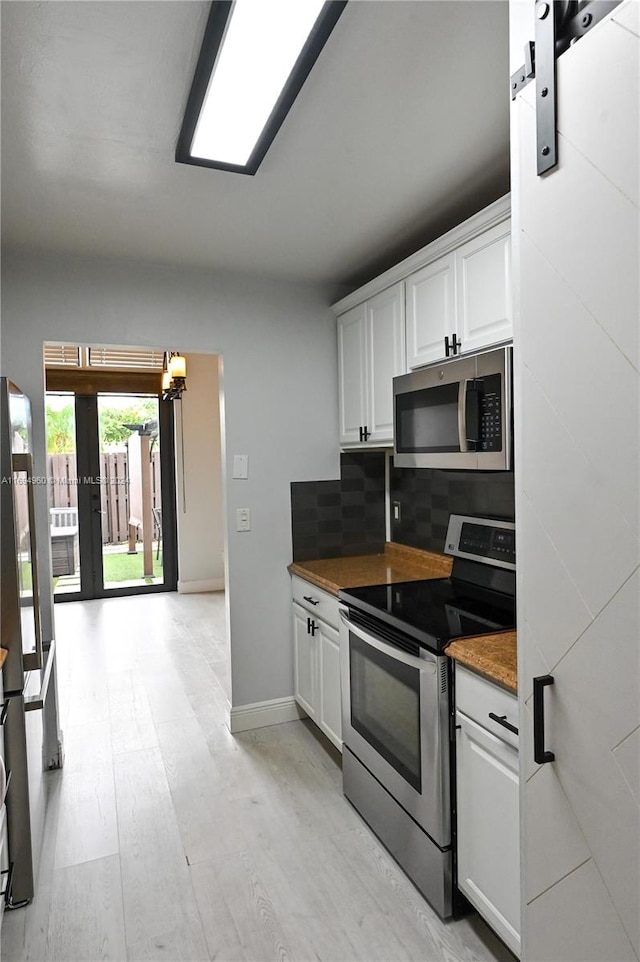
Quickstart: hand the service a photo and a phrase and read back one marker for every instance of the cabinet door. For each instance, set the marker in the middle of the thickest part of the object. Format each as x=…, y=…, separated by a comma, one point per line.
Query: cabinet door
x=483, y=277
x=4, y=847
x=329, y=701
x=352, y=378
x=385, y=359
x=430, y=305
x=488, y=827
x=304, y=657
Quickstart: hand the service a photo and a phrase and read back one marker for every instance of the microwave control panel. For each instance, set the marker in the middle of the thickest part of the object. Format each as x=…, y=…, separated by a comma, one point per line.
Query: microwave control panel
x=490, y=414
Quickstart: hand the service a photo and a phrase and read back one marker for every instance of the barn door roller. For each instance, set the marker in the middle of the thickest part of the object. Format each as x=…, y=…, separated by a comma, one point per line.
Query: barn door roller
x=559, y=24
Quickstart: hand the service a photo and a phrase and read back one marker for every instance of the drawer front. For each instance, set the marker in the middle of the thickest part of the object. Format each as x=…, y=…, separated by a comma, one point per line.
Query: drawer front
x=477, y=698
x=316, y=601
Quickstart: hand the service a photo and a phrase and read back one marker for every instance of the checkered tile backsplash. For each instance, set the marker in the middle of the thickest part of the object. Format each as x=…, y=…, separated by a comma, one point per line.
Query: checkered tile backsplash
x=427, y=498
x=346, y=516
x=343, y=517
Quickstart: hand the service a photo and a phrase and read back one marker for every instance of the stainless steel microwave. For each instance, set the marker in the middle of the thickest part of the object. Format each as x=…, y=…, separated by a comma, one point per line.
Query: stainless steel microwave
x=456, y=414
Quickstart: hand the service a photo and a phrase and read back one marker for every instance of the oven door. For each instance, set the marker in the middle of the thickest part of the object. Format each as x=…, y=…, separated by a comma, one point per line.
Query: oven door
x=395, y=720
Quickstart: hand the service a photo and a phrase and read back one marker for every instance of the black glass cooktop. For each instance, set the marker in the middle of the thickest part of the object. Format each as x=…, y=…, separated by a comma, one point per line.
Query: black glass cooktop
x=432, y=612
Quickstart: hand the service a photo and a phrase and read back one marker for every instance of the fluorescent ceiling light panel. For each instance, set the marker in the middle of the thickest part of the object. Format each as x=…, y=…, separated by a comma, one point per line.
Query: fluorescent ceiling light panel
x=254, y=59
x=263, y=42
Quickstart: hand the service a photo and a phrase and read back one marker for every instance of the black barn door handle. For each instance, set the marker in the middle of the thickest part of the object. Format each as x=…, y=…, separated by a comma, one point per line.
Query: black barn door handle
x=540, y=755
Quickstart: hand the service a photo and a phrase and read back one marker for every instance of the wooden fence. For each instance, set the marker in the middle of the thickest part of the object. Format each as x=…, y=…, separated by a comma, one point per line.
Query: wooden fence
x=114, y=489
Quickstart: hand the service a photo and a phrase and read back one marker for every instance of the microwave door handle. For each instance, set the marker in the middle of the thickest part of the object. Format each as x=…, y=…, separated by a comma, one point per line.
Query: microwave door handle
x=426, y=661
x=474, y=390
x=462, y=415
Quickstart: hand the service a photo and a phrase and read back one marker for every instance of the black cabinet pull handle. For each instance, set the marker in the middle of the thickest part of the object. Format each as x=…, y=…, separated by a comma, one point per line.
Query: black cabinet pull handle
x=312, y=601
x=455, y=343
x=502, y=720
x=360, y=430
x=540, y=755
x=446, y=347
x=366, y=433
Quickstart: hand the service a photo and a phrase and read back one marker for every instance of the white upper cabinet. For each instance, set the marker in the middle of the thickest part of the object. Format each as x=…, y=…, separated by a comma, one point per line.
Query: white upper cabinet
x=431, y=315
x=385, y=359
x=483, y=288
x=371, y=352
x=352, y=378
x=461, y=303
x=452, y=297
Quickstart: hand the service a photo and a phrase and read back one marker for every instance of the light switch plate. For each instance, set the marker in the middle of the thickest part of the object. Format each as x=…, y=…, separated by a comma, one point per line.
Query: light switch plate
x=243, y=519
x=241, y=466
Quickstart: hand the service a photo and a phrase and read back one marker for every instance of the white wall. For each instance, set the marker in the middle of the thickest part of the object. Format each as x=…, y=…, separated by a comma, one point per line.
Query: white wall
x=280, y=388
x=199, y=502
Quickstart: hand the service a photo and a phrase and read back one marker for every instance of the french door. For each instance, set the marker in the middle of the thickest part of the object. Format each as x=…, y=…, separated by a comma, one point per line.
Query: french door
x=113, y=529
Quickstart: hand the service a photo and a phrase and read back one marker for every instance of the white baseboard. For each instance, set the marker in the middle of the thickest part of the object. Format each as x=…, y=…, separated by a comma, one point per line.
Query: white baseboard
x=191, y=587
x=244, y=717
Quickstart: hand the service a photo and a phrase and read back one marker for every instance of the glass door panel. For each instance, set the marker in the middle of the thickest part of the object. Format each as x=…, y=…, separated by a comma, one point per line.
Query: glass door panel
x=111, y=494
x=130, y=491
x=63, y=484
x=385, y=707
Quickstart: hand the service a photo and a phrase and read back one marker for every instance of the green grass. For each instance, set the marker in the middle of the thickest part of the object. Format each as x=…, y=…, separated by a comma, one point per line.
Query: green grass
x=128, y=567
x=25, y=575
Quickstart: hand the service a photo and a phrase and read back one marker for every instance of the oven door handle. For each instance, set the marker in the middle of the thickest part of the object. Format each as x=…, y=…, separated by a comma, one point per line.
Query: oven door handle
x=426, y=661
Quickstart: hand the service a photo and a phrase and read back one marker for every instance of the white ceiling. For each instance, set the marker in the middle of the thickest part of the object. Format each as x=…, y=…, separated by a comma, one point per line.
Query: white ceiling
x=400, y=131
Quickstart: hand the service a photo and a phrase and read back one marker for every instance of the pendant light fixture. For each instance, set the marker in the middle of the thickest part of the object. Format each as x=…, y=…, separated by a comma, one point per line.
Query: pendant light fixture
x=174, y=376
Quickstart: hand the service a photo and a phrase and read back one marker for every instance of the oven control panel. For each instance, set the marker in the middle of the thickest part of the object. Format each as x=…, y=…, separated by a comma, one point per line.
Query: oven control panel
x=482, y=539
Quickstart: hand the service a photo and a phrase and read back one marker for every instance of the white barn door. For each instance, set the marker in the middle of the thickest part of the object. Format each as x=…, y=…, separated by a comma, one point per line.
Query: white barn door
x=576, y=262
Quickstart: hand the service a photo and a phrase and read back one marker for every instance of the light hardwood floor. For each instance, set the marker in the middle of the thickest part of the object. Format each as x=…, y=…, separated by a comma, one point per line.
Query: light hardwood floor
x=167, y=838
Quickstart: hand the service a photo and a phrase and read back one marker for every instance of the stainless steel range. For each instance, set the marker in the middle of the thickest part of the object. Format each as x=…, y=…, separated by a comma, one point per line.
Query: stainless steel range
x=396, y=695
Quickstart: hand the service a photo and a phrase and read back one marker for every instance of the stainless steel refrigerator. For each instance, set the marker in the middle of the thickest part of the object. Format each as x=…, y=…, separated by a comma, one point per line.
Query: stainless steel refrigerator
x=27, y=669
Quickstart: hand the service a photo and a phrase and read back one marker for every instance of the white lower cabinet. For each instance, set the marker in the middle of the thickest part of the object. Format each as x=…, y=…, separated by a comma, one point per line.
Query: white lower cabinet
x=316, y=645
x=330, y=702
x=487, y=795
x=4, y=849
x=305, y=662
